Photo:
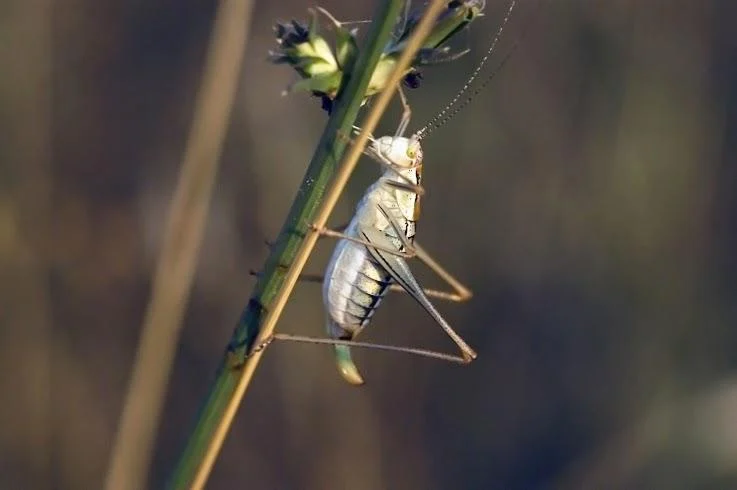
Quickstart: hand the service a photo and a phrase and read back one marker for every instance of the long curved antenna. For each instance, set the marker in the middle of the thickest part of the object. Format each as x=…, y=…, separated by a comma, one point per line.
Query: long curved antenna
x=443, y=116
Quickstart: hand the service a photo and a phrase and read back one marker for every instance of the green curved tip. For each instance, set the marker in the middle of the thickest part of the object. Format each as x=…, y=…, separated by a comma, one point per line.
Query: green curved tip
x=347, y=368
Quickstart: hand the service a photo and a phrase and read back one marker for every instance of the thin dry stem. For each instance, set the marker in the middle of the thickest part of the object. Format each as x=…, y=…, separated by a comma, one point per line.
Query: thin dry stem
x=178, y=258
x=28, y=335
x=331, y=198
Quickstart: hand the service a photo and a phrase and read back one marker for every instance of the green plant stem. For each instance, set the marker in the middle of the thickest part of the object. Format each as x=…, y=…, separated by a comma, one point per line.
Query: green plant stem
x=328, y=154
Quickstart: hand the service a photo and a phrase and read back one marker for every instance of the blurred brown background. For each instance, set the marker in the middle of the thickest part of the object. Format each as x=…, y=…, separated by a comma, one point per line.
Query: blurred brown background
x=586, y=197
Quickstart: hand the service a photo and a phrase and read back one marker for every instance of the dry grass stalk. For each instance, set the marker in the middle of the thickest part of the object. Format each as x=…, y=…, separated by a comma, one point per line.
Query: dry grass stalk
x=183, y=234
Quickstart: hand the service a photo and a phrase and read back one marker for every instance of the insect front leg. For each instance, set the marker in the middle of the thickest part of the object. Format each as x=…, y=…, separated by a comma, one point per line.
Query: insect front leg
x=406, y=113
x=304, y=277
x=455, y=296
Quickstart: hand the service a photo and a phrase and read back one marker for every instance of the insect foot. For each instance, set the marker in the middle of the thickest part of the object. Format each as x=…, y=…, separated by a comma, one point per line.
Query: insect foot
x=469, y=355
x=320, y=230
x=263, y=345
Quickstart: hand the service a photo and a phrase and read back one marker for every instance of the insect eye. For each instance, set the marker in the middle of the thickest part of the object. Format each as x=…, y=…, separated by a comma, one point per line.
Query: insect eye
x=411, y=152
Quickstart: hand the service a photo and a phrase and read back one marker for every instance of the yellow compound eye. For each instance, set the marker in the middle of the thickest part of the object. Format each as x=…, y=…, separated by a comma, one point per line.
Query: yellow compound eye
x=411, y=153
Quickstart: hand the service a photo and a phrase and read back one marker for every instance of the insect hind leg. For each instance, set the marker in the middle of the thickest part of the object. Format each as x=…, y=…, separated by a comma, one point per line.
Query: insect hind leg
x=442, y=356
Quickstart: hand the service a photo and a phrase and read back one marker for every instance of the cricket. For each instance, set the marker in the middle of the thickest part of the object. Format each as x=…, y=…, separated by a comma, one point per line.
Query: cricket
x=372, y=253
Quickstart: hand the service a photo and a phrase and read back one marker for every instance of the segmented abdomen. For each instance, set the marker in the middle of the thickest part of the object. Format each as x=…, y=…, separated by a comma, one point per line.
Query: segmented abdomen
x=354, y=286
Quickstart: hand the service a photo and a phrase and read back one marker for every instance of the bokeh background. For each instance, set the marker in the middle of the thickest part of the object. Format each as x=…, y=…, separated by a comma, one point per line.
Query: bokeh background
x=587, y=198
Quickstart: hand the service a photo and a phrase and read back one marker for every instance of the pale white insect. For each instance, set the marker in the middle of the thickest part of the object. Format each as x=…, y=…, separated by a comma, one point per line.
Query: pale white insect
x=371, y=254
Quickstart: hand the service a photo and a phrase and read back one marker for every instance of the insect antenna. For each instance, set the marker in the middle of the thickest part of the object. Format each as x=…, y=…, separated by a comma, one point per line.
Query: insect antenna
x=450, y=111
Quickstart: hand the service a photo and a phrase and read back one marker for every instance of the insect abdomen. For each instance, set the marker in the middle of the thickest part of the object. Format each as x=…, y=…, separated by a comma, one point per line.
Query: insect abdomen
x=356, y=286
